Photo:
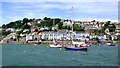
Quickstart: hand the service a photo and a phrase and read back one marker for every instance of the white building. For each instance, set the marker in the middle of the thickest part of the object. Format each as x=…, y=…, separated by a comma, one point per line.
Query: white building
x=93, y=36
x=22, y=34
x=107, y=31
x=67, y=23
x=45, y=28
x=18, y=29
x=29, y=37
x=25, y=30
x=0, y=29
x=11, y=29
x=82, y=34
x=29, y=23
x=56, y=35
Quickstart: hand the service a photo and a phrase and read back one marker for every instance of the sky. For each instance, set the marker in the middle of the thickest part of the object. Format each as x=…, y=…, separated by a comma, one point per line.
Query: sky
x=82, y=11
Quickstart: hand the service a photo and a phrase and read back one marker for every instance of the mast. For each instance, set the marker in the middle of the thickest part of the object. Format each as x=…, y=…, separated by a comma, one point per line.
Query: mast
x=53, y=30
x=72, y=22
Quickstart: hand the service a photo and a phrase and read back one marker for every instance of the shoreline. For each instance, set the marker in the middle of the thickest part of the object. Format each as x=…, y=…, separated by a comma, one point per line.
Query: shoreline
x=63, y=42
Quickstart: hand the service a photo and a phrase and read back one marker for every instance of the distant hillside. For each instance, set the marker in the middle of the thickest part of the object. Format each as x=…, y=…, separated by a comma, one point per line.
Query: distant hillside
x=22, y=24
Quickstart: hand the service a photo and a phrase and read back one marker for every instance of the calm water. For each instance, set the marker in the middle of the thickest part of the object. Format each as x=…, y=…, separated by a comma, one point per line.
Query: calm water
x=41, y=55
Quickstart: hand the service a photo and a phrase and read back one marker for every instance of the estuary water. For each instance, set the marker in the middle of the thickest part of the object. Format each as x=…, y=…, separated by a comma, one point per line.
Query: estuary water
x=42, y=55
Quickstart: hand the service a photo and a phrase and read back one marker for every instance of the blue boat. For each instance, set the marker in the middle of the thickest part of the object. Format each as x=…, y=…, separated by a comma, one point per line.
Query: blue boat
x=76, y=44
x=112, y=45
x=99, y=43
x=76, y=48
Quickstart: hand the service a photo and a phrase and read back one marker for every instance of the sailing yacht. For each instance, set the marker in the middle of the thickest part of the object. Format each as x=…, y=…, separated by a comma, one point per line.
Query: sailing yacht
x=75, y=45
x=55, y=45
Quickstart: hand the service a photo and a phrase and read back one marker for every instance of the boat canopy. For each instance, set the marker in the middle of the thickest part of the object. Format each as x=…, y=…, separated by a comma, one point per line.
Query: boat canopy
x=80, y=43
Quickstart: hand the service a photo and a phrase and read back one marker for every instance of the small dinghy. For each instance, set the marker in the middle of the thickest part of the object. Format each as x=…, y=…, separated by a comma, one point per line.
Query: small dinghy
x=112, y=45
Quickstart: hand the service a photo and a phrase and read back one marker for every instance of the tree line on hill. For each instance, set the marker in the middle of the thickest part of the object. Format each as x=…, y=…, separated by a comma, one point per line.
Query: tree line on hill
x=45, y=22
x=22, y=24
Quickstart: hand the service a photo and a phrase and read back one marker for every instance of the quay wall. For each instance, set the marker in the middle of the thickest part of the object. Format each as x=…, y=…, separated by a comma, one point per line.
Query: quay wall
x=60, y=42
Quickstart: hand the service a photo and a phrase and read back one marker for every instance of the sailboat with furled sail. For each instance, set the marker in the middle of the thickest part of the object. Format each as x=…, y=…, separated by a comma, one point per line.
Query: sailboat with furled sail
x=75, y=45
x=55, y=45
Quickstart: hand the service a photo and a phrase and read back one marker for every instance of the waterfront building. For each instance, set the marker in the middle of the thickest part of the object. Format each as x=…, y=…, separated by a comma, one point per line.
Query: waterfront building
x=117, y=29
x=82, y=34
x=56, y=35
x=93, y=36
x=107, y=37
x=29, y=37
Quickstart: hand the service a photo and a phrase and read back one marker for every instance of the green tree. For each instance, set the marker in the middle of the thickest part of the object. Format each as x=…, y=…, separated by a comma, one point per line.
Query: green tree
x=6, y=33
x=77, y=28
x=18, y=36
x=36, y=30
x=16, y=25
x=19, y=32
x=25, y=21
x=46, y=18
x=64, y=27
x=38, y=25
x=60, y=25
x=4, y=26
x=25, y=27
x=111, y=28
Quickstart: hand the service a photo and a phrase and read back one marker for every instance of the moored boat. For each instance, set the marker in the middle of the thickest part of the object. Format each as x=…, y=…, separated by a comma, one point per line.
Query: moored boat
x=56, y=45
x=75, y=48
x=112, y=45
x=76, y=45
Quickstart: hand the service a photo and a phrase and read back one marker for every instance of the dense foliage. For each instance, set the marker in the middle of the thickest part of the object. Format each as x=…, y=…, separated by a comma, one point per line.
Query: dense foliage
x=23, y=24
x=6, y=33
x=77, y=28
x=111, y=27
x=60, y=25
x=49, y=22
x=67, y=27
x=18, y=24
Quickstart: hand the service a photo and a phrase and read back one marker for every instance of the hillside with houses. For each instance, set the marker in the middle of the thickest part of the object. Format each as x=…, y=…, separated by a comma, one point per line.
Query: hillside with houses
x=43, y=29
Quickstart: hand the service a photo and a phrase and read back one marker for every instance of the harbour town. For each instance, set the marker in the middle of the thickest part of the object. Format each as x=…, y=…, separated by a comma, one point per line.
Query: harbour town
x=33, y=31
x=59, y=34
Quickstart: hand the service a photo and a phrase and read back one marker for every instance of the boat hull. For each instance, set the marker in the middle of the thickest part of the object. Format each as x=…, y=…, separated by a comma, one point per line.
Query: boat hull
x=70, y=48
x=112, y=45
x=55, y=46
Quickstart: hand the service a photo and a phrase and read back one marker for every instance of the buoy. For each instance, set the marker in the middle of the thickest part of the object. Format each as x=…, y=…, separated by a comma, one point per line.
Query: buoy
x=115, y=47
x=47, y=46
x=60, y=48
